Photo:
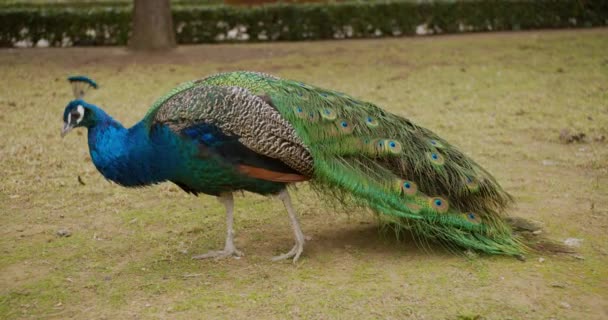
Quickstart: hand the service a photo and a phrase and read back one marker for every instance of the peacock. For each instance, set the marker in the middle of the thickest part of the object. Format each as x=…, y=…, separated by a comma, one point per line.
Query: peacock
x=260, y=133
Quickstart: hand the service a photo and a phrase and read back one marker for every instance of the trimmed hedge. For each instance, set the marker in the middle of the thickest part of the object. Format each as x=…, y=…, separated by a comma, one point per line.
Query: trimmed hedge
x=290, y=22
x=92, y=3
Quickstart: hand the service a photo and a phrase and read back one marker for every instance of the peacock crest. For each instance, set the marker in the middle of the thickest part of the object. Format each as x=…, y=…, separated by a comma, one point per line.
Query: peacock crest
x=80, y=85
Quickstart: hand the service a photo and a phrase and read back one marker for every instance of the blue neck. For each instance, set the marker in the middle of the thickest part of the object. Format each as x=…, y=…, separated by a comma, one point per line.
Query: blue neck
x=125, y=156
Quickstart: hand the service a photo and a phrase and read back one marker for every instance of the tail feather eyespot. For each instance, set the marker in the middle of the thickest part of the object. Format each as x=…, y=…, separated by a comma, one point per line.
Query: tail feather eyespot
x=388, y=146
x=369, y=145
x=409, y=187
x=436, y=158
x=299, y=112
x=394, y=146
x=472, y=217
x=344, y=126
x=302, y=94
x=371, y=122
x=328, y=114
x=436, y=143
x=439, y=204
x=312, y=116
x=472, y=183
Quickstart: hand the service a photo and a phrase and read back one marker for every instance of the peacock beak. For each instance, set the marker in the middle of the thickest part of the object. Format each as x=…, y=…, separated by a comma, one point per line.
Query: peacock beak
x=66, y=128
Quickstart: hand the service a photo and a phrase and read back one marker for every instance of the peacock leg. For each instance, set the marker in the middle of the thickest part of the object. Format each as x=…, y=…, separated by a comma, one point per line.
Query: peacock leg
x=229, y=249
x=297, y=249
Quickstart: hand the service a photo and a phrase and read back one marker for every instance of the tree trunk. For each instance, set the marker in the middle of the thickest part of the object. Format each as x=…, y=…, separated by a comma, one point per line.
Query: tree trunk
x=152, y=25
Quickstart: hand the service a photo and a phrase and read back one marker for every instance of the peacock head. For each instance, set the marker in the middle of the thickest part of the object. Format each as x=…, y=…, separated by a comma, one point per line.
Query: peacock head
x=78, y=114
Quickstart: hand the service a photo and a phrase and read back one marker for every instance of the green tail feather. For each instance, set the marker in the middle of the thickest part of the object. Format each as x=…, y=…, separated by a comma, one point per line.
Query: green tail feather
x=418, y=213
x=390, y=165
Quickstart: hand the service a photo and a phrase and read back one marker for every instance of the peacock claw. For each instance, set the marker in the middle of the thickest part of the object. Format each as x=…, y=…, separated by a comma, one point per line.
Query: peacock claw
x=221, y=254
x=297, y=249
x=229, y=249
x=295, y=252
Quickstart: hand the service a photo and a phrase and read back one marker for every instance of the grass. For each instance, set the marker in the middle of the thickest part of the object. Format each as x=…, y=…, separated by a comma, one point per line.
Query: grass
x=503, y=98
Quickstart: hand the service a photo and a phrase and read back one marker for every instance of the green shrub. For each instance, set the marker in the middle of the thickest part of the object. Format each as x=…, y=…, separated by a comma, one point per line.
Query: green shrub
x=92, y=26
x=105, y=25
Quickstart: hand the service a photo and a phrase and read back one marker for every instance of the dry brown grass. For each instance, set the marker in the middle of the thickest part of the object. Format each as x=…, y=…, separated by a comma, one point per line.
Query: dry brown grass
x=503, y=98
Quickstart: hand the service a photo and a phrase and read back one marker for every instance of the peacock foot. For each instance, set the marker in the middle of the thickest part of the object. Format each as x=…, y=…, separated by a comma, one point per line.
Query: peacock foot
x=221, y=254
x=295, y=252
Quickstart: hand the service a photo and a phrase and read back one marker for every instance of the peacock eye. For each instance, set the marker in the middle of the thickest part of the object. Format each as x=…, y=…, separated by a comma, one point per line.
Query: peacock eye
x=75, y=115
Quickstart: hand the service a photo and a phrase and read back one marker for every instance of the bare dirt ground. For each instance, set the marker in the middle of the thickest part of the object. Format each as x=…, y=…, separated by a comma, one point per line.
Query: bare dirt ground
x=504, y=98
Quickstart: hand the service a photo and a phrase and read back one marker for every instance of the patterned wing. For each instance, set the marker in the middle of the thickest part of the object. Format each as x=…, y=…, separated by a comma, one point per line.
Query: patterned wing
x=236, y=113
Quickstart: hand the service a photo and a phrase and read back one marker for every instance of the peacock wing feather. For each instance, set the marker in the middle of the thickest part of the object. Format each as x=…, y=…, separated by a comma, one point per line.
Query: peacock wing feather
x=383, y=161
x=240, y=127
